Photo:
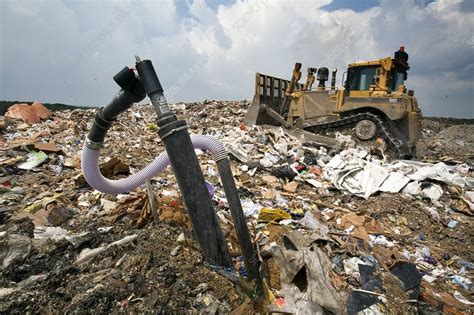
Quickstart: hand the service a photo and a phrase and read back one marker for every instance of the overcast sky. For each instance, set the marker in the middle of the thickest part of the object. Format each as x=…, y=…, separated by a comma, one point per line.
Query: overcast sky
x=67, y=51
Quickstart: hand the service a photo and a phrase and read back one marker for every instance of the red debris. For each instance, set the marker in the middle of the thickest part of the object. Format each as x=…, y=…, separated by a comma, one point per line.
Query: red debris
x=29, y=114
x=23, y=112
x=41, y=110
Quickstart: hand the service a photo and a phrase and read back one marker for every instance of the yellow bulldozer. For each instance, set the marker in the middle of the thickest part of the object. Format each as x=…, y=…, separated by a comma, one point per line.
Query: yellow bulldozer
x=373, y=104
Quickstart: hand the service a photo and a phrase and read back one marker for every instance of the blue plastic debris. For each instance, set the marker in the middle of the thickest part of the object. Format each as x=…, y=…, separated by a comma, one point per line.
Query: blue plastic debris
x=241, y=265
x=453, y=223
x=464, y=282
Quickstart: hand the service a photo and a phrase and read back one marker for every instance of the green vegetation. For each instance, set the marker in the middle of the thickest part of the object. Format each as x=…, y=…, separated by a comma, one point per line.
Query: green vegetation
x=54, y=106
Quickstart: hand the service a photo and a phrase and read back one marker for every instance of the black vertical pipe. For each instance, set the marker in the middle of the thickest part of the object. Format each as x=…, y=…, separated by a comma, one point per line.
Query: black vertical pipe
x=187, y=171
x=195, y=194
x=243, y=235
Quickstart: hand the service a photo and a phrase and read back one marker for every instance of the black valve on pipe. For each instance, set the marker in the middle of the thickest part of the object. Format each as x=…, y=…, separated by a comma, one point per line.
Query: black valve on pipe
x=132, y=92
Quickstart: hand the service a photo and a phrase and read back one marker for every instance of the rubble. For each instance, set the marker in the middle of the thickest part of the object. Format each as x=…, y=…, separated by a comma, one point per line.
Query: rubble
x=23, y=112
x=338, y=228
x=41, y=110
x=29, y=114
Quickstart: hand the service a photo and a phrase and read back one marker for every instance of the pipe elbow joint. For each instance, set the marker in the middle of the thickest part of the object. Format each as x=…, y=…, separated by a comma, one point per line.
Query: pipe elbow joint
x=106, y=115
x=122, y=101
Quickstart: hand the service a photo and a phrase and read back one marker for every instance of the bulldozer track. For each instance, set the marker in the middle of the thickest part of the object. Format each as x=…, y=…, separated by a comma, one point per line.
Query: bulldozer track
x=388, y=130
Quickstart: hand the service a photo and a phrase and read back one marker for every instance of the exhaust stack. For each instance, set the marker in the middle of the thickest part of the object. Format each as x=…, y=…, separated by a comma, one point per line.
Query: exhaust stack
x=333, y=79
x=322, y=76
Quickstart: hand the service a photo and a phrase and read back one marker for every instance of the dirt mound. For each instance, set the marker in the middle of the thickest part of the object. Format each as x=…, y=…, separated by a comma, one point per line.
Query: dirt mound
x=444, y=141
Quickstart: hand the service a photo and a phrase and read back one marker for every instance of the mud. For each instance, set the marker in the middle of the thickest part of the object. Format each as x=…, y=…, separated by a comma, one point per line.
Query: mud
x=139, y=277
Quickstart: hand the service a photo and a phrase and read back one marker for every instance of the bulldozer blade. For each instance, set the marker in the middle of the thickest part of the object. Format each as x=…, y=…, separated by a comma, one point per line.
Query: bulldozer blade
x=260, y=114
x=306, y=136
x=252, y=114
x=277, y=117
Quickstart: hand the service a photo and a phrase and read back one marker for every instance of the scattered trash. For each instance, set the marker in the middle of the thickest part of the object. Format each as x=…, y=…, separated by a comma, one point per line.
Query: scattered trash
x=250, y=208
x=453, y=223
x=114, y=166
x=47, y=147
x=338, y=229
x=439, y=172
x=88, y=254
x=408, y=275
x=433, y=191
x=434, y=213
x=290, y=187
x=34, y=159
x=41, y=110
x=305, y=272
x=14, y=249
x=380, y=240
x=351, y=267
x=284, y=172
x=175, y=251
x=461, y=298
x=309, y=221
x=464, y=282
x=272, y=215
x=54, y=233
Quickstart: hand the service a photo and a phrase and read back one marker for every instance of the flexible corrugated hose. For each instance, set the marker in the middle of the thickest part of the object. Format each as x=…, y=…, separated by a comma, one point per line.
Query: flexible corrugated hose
x=92, y=174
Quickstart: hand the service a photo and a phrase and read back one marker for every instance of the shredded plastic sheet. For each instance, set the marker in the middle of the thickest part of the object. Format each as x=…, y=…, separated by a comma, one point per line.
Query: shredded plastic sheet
x=439, y=172
x=250, y=208
x=51, y=232
x=351, y=172
x=362, y=181
x=434, y=192
x=469, y=198
x=87, y=253
x=302, y=255
x=311, y=222
x=394, y=182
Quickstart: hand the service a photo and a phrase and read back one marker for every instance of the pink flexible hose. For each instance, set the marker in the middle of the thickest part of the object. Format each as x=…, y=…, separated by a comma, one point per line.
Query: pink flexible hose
x=91, y=171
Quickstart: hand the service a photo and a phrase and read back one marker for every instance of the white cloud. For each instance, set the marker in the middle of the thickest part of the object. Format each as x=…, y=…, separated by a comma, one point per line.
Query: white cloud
x=68, y=51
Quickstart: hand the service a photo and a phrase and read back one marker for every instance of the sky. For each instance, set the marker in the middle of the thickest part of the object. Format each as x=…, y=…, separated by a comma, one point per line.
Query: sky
x=67, y=51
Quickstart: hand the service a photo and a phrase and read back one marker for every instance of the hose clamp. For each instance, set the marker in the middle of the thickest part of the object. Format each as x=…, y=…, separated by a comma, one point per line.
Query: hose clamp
x=169, y=133
x=101, y=122
x=96, y=146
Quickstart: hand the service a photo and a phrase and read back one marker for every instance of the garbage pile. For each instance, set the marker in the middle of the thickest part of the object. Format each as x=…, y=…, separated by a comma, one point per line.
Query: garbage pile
x=447, y=139
x=338, y=229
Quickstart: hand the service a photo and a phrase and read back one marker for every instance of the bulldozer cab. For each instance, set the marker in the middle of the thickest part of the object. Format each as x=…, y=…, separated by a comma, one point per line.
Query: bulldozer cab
x=377, y=78
x=360, y=78
x=364, y=80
